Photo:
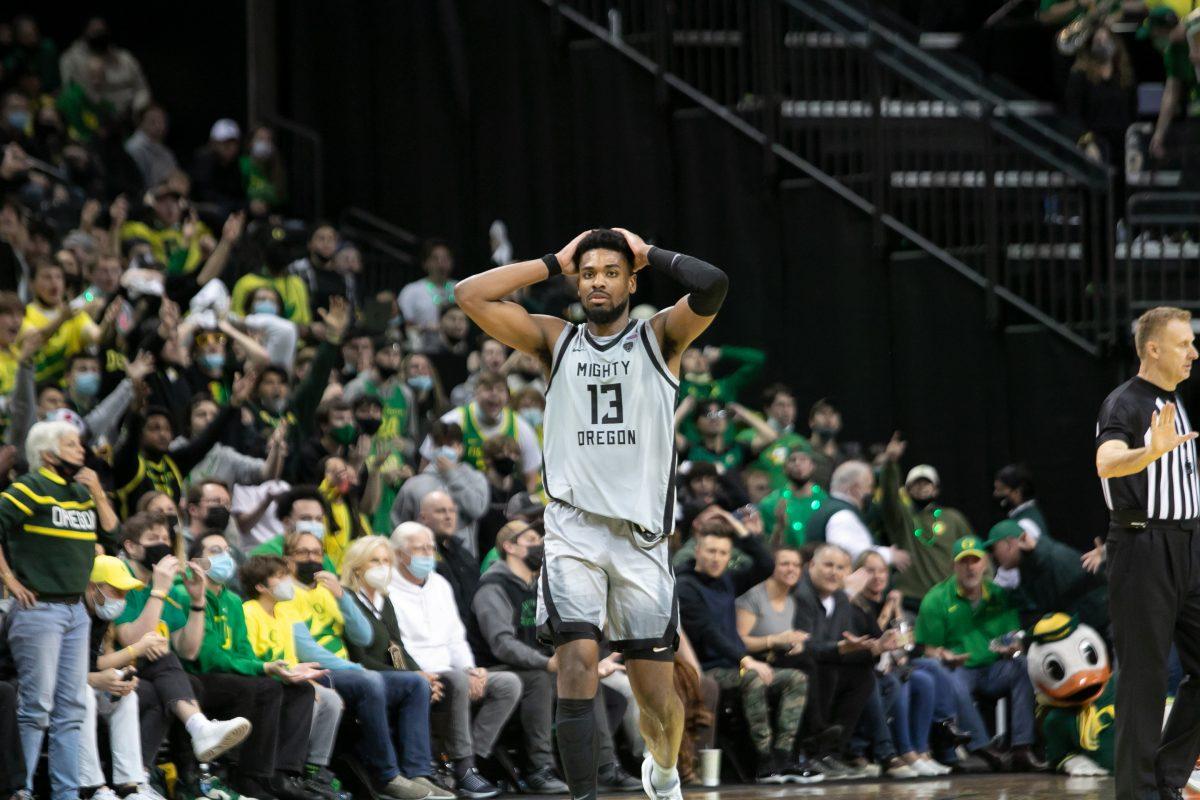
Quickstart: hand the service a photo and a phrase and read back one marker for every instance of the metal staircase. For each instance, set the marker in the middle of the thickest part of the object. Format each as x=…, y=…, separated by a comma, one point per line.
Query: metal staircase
x=841, y=92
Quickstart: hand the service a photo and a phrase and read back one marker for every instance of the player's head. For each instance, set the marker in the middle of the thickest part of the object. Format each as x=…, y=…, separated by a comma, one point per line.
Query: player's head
x=606, y=280
x=1165, y=343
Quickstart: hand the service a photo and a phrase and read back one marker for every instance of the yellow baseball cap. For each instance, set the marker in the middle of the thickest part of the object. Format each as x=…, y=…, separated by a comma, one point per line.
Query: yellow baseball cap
x=968, y=546
x=106, y=569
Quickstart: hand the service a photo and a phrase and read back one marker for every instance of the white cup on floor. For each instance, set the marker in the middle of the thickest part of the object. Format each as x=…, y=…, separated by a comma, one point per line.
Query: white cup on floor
x=710, y=767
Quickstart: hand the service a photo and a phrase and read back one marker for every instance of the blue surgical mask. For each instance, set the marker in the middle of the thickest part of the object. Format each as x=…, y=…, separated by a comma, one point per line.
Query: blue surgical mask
x=311, y=526
x=420, y=383
x=213, y=362
x=422, y=566
x=447, y=452
x=111, y=609
x=532, y=415
x=266, y=307
x=18, y=119
x=221, y=568
x=87, y=383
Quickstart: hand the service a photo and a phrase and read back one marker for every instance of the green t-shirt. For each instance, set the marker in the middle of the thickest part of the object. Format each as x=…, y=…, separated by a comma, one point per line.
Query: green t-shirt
x=797, y=510
x=174, y=611
x=947, y=619
x=732, y=458
x=775, y=455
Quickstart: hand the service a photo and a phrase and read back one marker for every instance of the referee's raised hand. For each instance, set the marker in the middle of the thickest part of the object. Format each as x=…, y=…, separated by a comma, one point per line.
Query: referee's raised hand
x=1163, y=438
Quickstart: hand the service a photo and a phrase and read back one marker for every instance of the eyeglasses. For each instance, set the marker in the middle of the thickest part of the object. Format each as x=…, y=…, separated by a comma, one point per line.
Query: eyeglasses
x=209, y=337
x=307, y=554
x=718, y=414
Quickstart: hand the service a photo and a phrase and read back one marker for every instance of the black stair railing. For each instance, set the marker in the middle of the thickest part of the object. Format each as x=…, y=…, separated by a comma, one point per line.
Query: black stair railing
x=841, y=92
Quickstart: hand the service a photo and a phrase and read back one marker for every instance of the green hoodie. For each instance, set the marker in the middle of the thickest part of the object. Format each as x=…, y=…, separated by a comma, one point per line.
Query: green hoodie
x=225, y=648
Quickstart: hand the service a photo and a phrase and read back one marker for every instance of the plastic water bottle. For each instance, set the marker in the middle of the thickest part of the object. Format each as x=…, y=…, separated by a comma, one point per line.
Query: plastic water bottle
x=1006, y=641
x=206, y=779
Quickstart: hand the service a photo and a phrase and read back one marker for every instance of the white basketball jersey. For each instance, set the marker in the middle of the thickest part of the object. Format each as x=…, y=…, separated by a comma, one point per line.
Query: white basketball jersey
x=609, y=435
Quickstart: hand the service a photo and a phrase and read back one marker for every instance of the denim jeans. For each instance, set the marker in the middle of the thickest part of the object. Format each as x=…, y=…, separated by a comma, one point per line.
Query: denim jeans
x=407, y=696
x=912, y=713
x=1004, y=678
x=49, y=645
x=364, y=693
x=872, y=731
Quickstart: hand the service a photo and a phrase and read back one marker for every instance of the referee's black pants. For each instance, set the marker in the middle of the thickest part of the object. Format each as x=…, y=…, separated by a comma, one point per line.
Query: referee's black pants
x=1154, y=600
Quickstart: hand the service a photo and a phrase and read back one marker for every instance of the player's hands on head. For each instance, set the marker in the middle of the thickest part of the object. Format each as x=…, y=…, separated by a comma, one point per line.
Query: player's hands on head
x=641, y=250
x=566, y=256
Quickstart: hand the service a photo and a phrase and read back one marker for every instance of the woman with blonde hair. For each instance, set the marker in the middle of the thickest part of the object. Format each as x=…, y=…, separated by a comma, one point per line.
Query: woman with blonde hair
x=366, y=570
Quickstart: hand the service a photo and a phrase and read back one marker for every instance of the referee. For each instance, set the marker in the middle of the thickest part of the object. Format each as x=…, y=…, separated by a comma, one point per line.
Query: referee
x=1146, y=459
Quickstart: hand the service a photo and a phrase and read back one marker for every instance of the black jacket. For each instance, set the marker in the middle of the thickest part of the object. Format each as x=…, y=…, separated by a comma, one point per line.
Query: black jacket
x=706, y=605
x=826, y=631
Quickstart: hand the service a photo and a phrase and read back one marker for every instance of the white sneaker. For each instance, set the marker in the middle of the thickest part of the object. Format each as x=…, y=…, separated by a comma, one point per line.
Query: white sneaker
x=653, y=793
x=938, y=767
x=218, y=736
x=105, y=793
x=899, y=770
x=144, y=791
x=925, y=768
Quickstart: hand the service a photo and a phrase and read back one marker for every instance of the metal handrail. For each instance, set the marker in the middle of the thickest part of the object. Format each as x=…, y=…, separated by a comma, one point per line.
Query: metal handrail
x=318, y=166
x=1070, y=159
x=361, y=215
x=1095, y=251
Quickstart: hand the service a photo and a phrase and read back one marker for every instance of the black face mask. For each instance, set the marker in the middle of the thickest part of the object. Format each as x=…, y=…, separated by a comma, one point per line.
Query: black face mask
x=216, y=518
x=369, y=426
x=99, y=42
x=67, y=470
x=386, y=372
x=1005, y=502
x=504, y=465
x=534, y=555
x=306, y=571
x=921, y=505
x=154, y=553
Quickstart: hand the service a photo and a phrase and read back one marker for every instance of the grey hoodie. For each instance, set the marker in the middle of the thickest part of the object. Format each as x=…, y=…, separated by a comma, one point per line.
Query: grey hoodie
x=494, y=613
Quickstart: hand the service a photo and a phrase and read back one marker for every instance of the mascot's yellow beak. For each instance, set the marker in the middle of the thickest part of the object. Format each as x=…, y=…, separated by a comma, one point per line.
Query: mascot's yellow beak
x=1077, y=689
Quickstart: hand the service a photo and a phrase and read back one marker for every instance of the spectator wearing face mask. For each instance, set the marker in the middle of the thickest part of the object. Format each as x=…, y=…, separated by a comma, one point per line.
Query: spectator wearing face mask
x=124, y=84
x=336, y=435
x=489, y=415
x=277, y=700
x=145, y=462
x=421, y=302
x=226, y=464
x=1014, y=490
x=429, y=398
x=296, y=304
x=318, y=271
x=916, y=522
x=301, y=509
x=786, y=511
x=503, y=462
x=263, y=172
x=466, y=486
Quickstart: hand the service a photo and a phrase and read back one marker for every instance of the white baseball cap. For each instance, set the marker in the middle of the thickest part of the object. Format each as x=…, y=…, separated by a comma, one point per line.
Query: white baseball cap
x=922, y=472
x=224, y=130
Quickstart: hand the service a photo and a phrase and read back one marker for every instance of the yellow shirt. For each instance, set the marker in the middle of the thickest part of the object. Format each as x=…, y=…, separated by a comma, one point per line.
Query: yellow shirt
x=318, y=609
x=169, y=246
x=271, y=637
x=8, y=382
x=291, y=288
x=72, y=337
x=341, y=526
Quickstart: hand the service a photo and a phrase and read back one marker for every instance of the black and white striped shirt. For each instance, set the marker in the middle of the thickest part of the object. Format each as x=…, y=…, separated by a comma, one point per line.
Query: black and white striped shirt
x=1169, y=487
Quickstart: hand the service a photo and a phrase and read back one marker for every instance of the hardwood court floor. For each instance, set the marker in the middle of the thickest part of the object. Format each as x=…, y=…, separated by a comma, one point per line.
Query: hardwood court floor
x=967, y=787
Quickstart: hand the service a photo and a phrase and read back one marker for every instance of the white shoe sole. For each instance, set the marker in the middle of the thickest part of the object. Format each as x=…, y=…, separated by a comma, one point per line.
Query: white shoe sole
x=232, y=738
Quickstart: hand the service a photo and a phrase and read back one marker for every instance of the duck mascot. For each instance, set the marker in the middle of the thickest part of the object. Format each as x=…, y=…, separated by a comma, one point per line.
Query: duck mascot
x=1068, y=667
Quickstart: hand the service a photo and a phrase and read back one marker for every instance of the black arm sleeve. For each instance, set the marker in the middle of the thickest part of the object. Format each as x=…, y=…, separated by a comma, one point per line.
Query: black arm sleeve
x=705, y=283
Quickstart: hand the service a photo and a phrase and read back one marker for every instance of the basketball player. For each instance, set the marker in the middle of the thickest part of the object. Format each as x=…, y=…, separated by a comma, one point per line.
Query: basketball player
x=609, y=468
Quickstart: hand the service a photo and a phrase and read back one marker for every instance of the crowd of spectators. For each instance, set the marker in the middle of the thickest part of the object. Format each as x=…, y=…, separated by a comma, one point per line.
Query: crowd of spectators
x=242, y=501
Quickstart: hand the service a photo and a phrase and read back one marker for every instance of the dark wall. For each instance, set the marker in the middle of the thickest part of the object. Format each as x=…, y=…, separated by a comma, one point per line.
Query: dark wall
x=444, y=116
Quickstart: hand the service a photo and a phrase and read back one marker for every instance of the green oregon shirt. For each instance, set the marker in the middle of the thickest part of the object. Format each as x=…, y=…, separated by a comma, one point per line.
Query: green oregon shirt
x=174, y=613
x=947, y=619
x=49, y=529
x=226, y=646
x=797, y=511
x=775, y=455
